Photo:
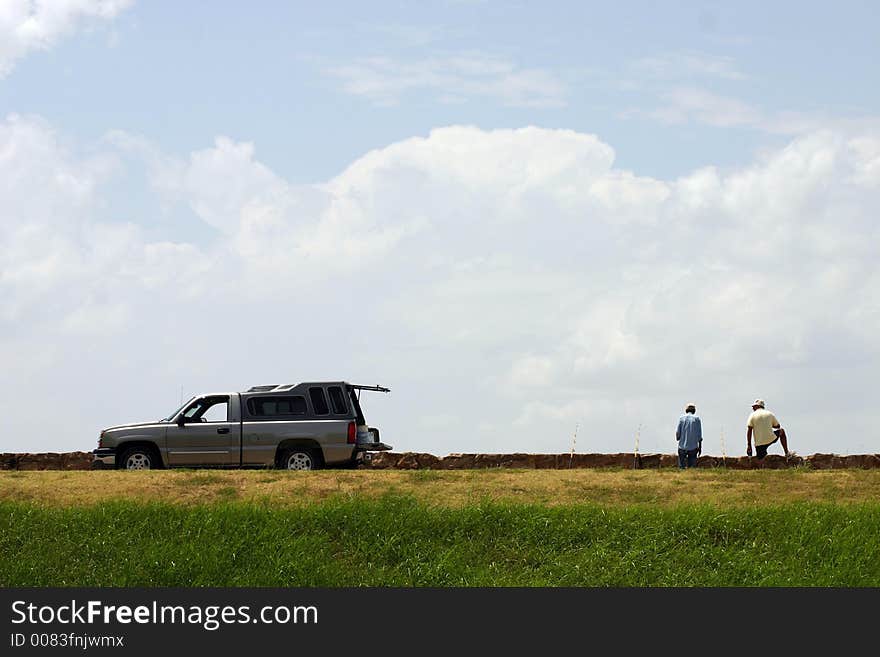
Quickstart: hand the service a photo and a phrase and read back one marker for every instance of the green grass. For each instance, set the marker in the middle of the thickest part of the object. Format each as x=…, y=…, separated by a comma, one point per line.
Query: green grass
x=399, y=541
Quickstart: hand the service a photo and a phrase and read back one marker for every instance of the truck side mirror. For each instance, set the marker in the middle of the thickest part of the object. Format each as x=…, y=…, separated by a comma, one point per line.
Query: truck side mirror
x=181, y=420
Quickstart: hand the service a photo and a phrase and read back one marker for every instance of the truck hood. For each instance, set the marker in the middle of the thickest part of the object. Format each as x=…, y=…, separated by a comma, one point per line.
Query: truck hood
x=134, y=425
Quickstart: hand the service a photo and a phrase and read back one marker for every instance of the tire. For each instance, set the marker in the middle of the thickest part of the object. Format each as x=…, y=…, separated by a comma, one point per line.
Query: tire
x=138, y=458
x=300, y=459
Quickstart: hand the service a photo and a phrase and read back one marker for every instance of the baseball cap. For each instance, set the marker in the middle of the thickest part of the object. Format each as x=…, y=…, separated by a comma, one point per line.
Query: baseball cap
x=758, y=402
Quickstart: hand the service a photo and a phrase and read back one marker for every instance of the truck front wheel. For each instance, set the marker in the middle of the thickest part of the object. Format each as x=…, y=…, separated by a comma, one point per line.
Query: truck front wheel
x=138, y=458
x=300, y=459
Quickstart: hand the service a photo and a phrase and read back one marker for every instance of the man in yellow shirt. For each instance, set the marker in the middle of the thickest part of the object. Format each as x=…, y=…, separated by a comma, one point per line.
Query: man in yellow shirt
x=765, y=427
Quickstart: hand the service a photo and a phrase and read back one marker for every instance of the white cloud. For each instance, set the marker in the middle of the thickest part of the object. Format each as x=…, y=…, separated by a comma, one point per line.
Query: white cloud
x=507, y=284
x=29, y=25
x=687, y=104
x=408, y=35
x=245, y=181
x=867, y=155
x=682, y=65
x=682, y=88
x=451, y=78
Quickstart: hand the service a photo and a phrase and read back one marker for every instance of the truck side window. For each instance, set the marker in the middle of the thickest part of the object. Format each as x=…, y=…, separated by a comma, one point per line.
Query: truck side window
x=319, y=402
x=217, y=412
x=208, y=409
x=298, y=406
x=276, y=406
x=337, y=400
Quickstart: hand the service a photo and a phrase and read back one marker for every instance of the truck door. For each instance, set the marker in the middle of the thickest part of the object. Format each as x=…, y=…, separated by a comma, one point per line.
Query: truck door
x=206, y=432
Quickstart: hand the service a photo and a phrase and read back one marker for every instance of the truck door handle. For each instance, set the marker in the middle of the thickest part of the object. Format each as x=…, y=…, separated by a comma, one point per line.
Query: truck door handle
x=223, y=430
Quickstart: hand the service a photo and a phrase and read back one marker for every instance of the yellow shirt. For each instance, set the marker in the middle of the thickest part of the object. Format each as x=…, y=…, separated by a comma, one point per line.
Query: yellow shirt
x=762, y=422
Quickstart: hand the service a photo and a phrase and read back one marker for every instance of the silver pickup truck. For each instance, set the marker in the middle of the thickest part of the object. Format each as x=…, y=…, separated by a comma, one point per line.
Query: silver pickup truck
x=302, y=426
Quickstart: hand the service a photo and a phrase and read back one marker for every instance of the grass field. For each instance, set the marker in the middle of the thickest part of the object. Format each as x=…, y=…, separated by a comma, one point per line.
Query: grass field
x=428, y=528
x=455, y=488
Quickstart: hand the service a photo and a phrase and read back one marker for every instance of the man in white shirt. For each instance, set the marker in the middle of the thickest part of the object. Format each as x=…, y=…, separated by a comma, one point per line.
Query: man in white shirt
x=765, y=427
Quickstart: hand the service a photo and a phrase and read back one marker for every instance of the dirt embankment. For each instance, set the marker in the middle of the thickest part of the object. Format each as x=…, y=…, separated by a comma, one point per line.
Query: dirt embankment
x=415, y=461
x=420, y=461
x=47, y=461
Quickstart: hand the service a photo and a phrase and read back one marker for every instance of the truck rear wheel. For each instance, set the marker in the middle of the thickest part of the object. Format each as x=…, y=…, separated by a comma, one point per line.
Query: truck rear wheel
x=300, y=459
x=138, y=458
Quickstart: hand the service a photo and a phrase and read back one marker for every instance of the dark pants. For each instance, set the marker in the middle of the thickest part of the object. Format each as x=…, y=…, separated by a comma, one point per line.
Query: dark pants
x=687, y=458
x=761, y=450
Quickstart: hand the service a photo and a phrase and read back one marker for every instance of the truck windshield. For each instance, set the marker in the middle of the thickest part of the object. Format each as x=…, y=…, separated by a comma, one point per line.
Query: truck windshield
x=179, y=408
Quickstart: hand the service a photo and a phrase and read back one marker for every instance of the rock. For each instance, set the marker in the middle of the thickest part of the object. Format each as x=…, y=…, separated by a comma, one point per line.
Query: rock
x=419, y=460
x=380, y=461
x=428, y=461
x=864, y=461
x=547, y=461
x=50, y=461
x=407, y=461
x=487, y=460
x=458, y=462
x=772, y=462
x=825, y=461
x=77, y=461
x=605, y=460
x=517, y=461
x=647, y=461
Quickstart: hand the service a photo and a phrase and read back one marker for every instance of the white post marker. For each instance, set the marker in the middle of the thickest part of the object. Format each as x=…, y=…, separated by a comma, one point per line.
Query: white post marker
x=636, y=456
x=573, y=443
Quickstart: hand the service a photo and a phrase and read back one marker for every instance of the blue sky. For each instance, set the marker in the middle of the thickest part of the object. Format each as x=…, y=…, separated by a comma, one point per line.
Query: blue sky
x=541, y=214
x=182, y=74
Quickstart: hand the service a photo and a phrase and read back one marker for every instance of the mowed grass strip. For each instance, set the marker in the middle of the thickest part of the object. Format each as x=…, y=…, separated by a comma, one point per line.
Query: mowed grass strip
x=400, y=541
x=664, y=488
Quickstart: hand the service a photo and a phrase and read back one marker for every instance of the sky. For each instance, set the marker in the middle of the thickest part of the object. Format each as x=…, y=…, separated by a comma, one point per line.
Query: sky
x=544, y=226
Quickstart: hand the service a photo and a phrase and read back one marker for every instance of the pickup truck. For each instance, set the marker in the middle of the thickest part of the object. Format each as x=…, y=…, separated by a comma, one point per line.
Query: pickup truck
x=302, y=426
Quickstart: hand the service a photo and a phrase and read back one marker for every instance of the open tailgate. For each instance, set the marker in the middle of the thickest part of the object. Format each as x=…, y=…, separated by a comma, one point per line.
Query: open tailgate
x=367, y=437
